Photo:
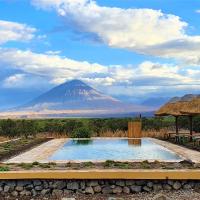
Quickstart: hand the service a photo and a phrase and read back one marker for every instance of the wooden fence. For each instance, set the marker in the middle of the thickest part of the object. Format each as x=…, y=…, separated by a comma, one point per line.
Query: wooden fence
x=134, y=130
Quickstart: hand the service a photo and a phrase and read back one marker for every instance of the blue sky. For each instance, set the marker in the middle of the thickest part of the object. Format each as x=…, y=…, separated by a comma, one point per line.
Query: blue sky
x=130, y=49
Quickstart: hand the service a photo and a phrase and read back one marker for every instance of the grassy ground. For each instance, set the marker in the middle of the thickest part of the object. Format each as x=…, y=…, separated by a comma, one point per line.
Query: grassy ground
x=102, y=165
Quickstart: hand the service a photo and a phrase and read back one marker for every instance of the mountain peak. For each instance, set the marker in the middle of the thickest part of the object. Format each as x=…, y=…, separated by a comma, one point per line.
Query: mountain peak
x=75, y=82
x=70, y=95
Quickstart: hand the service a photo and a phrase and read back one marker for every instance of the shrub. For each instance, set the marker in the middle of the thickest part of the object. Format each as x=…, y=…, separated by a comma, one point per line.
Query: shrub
x=82, y=132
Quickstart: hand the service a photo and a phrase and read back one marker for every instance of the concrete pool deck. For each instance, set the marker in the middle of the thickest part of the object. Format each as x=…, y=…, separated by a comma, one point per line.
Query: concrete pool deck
x=40, y=153
x=44, y=151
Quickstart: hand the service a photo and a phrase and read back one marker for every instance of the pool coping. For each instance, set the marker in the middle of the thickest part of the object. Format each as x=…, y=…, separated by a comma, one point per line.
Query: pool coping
x=47, y=149
x=136, y=174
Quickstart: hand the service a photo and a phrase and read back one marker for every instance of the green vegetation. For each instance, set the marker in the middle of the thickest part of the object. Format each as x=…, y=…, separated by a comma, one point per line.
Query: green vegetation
x=88, y=164
x=82, y=132
x=83, y=127
x=25, y=166
x=145, y=164
x=109, y=164
x=4, y=168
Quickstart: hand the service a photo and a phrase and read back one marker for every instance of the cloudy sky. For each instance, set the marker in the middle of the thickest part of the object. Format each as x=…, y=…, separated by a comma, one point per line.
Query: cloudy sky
x=131, y=49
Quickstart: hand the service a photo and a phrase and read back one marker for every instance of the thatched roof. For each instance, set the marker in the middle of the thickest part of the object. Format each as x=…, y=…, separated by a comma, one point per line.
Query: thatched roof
x=173, y=109
x=192, y=107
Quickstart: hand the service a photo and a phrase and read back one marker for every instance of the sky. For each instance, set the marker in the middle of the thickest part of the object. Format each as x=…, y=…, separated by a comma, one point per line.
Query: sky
x=134, y=50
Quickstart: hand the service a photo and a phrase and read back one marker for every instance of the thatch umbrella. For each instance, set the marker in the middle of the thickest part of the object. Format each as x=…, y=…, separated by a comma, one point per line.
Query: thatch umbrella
x=173, y=109
x=192, y=108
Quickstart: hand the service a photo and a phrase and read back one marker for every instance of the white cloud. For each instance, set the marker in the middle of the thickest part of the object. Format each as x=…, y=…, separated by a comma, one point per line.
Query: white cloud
x=14, y=81
x=53, y=66
x=147, y=77
x=146, y=31
x=197, y=11
x=13, y=31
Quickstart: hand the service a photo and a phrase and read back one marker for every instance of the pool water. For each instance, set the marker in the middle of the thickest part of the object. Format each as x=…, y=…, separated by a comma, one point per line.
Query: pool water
x=113, y=149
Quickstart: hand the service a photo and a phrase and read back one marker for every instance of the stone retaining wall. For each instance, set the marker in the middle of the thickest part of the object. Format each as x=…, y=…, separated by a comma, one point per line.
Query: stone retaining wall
x=60, y=188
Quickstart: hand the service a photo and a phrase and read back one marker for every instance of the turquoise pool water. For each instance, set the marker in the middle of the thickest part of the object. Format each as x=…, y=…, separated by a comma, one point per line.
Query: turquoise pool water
x=113, y=149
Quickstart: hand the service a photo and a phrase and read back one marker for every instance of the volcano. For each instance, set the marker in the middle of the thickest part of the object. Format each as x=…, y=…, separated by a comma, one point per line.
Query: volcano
x=76, y=98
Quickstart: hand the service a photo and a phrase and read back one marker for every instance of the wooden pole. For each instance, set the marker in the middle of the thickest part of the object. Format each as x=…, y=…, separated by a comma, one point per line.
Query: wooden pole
x=176, y=119
x=191, y=126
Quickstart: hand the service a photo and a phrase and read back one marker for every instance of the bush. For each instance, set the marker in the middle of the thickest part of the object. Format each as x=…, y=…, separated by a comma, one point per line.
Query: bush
x=82, y=132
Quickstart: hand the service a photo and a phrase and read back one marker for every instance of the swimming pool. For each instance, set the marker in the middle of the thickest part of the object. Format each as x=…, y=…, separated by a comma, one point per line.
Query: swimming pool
x=112, y=149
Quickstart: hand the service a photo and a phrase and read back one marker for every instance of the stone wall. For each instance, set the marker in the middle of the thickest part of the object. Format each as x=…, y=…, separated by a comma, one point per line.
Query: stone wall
x=59, y=188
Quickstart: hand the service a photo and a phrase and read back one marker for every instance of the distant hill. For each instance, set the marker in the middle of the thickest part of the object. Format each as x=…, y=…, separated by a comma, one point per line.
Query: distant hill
x=186, y=97
x=155, y=102
x=76, y=98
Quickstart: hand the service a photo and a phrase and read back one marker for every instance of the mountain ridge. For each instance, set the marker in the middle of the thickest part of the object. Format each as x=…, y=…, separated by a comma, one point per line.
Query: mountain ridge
x=77, y=95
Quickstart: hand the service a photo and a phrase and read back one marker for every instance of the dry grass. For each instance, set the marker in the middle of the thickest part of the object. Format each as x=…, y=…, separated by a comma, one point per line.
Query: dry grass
x=154, y=134
x=3, y=139
x=114, y=134
x=149, y=133
x=51, y=135
x=119, y=133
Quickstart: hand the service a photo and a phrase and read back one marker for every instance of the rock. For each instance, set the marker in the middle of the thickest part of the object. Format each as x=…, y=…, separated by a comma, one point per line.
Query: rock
x=38, y=188
x=157, y=187
x=101, y=182
x=120, y=183
x=126, y=190
x=1, y=189
x=45, y=191
x=28, y=193
x=160, y=197
x=187, y=186
x=57, y=193
x=72, y=186
x=89, y=190
x=170, y=182
x=33, y=192
x=59, y=185
x=45, y=185
x=92, y=183
x=11, y=183
x=112, y=186
x=14, y=193
x=140, y=182
x=82, y=185
x=191, y=183
x=147, y=189
x=115, y=198
x=37, y=182
x=107, y=190
x=6, y=188
x=150, y=184
x=136, y=188
x=19, y=188
x=167, y=187
x=68, y=199
x=29, y=187
x=177, y=185
x=117, y=190
x=97, y=189
x=129, y=182
x=23, y=183
x=25, y=193
x=67, y=192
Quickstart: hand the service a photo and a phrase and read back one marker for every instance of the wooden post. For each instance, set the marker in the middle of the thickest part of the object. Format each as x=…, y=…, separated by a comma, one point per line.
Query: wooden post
x=134, y=129
x=191, y=127
x=134, y=142
x=176, y=117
